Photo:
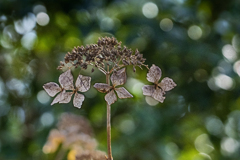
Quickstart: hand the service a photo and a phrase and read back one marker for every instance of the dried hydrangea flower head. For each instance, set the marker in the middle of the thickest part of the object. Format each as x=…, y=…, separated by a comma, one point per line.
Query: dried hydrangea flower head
x=108, y=52
x=66, y=81
x=117, y=78
x=157, y=91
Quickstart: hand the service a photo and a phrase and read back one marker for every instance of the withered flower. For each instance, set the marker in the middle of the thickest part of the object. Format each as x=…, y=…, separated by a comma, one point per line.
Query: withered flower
x=157, y=90
x=117, y=78
x=66, y=81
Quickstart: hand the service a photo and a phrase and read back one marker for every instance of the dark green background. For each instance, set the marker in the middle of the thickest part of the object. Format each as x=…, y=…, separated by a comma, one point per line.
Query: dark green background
x=199, y=120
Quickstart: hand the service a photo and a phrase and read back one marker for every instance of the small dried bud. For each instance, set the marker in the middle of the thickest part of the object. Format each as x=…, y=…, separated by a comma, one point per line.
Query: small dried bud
x=134, y=69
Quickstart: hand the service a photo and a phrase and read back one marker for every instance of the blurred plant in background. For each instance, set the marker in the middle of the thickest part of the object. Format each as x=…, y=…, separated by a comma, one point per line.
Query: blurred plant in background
x=72, y=140
x=196, y=43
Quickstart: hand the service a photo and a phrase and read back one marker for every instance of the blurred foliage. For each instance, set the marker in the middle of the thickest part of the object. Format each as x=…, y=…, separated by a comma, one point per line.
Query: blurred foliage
x=195, y=42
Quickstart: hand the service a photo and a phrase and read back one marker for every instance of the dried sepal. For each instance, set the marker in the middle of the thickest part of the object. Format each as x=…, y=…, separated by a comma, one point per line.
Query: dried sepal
x=148, y=90
x=58, y=98
x=158, y=95
x=66, y=97
x=123, y=93
x=119, y=77
x=154, y=74
x=66, y=80
x=110, y=97
x=167, y=84
x=83, y=83
x=51, y=88
x=102, y=87
x=77, y=100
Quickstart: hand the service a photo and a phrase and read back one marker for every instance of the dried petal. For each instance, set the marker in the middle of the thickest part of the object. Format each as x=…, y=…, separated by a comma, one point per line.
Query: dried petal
x=148, y=90
x=158, y=95
x=66, y=97
x=66, y=80
x=167, y=84
x=110, y=97
x=119, y=77
x=77, y=100
x=154, y=74
x=83, y=83
x=102, y=87
x=58, y=98
x=123, y=93
x=51, y=88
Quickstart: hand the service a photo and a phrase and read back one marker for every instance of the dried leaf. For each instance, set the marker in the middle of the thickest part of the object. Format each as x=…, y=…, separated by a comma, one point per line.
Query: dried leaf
x=83, y=83
x=123, y=93
x=148, y=90
x=154, y=74
x=66, y=80
x=58, y=98
x=77, y=100
x=110, y=97
x=51, y=88
x=167, y=84
x=158, y=95
x=66, y=97
x=102, y=87
x=119, y=77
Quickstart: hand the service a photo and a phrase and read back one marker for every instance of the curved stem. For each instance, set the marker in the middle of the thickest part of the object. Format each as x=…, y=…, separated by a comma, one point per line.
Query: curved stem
x=108, y=121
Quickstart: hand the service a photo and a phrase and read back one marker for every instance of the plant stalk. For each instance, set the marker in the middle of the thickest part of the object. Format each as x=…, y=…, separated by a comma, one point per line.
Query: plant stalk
x=109, y=122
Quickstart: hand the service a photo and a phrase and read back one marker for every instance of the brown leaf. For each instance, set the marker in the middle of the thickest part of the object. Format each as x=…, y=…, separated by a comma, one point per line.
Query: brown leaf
x=66, y=80
x=148, y=90
x=51, y=88
x=77, y=100
x=119, y=77
x=158, y=95
x=154, y=74
x=58, y=98
x=167, y=84
x=123, y=93
x=102, y=87
x=83, y=83
x=66, y=97
x=110, y=97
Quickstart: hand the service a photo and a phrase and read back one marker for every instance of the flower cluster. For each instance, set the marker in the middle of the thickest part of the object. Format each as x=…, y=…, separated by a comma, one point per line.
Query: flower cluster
x=117, y=78
x=157, y=91
x=66, y=81
x=108, y=52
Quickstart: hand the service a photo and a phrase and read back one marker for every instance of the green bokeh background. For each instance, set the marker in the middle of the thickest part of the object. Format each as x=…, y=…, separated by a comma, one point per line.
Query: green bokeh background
x=200, y=118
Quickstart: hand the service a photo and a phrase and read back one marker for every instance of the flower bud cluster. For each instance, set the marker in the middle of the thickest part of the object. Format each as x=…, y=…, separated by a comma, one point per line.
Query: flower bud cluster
x=108, y=52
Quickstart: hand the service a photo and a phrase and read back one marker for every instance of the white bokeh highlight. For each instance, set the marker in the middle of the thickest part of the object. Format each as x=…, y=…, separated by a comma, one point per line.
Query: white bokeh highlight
x=42, y=19
x=229, y=52
x=150, y=10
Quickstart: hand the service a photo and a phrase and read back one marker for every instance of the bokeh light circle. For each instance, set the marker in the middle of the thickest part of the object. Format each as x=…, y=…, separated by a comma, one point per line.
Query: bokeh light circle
x=195, y=32
x=42, y=19
x=166, y=24
x=150, y=10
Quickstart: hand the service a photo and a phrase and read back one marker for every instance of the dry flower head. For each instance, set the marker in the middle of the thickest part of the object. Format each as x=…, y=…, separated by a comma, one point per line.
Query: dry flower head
x=108, y=52
x=157, y=91
x=66, y=81
x=117, y=78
